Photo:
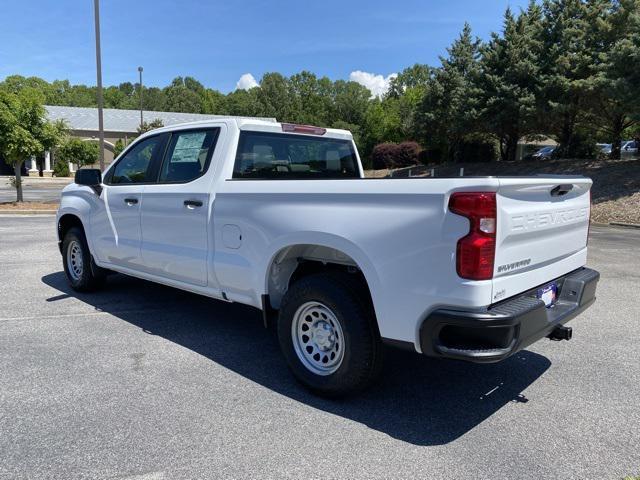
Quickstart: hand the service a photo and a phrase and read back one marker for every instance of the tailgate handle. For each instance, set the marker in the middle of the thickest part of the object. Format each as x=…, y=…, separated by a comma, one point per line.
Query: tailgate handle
x=561, y=190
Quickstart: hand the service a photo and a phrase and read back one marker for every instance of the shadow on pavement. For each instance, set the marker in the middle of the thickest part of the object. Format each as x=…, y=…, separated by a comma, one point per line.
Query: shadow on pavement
x=418, y=400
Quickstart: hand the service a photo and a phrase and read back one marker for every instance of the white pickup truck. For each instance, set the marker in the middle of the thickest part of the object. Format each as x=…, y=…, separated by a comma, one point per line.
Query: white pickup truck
x=280, y=217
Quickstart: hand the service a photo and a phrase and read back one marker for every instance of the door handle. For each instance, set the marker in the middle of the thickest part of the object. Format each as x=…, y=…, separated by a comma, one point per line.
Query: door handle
x=192, y=203
x=130, y=201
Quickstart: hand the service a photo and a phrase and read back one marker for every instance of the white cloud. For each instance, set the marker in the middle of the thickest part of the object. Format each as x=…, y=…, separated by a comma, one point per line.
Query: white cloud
x=246, y=82
x=377, y=84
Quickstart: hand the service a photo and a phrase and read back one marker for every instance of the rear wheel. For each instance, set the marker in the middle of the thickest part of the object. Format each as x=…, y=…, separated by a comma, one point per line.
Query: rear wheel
x=81, y=271
x=327, y=332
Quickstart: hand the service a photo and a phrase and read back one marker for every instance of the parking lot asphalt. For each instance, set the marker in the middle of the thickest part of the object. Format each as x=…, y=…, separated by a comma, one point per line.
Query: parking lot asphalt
x=141, y=381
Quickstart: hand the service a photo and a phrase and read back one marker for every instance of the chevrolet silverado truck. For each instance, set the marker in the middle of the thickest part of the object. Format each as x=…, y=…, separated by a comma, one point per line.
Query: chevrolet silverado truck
x=280, y=217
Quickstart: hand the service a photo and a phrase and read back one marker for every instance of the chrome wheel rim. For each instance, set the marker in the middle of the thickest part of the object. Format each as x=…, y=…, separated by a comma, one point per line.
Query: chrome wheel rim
x=74, y=260
x=317, y=338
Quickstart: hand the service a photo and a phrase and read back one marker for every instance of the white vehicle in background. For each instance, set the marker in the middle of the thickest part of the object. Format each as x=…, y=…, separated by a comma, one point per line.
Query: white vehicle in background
x=605, y=148
x=630, y=147
x=279, y=217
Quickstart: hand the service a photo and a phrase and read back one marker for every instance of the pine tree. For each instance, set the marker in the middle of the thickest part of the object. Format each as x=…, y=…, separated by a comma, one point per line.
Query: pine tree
x=568, y=75
x=617, y=103
x=508, y=84
x=447, y=114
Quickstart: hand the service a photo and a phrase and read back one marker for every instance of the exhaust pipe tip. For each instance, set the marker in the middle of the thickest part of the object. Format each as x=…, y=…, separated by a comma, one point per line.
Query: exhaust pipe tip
x=561, y=333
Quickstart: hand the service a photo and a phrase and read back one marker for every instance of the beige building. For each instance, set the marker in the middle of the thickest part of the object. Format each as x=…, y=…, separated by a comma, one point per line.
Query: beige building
x=118, y=124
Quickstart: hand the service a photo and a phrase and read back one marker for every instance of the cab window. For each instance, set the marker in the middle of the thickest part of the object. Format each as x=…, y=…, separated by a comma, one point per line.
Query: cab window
x=188, y=155
x=135, y=166
x=281, y=156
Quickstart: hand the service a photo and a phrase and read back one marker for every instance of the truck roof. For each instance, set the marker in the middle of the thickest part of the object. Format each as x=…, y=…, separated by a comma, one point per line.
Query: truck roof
x=254, y=124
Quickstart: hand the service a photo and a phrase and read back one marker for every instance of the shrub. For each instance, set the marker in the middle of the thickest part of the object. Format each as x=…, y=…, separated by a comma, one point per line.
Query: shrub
x=382, y=155
x=118, y=147
x=407, y=154
x=61, y=169
x=152, y=125
x=393, y=155
x=79, y=152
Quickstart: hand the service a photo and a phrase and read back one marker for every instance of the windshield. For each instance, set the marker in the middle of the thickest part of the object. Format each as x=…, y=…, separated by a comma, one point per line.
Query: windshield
x=267, y=155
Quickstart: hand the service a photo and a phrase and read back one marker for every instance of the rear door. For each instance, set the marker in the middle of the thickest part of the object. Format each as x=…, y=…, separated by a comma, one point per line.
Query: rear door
x=116, y=223
x=541, y=232
x=175, y=210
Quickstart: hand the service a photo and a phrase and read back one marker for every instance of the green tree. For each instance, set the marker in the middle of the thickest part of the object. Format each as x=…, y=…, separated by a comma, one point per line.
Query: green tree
x=184, y=95
x=617, y=103
x=403, y=99
x=380, y=125
x=416, y=76
x=350, y=102
x=310, y=100
x=153, y=124
x=119, y=147
x=77, y=151
x=447, y=113
x=54, y=134
x=274, y=98
x=243, y=103
x=567, y=67
x=23, y=129
x=214, y=102
x=508, y=86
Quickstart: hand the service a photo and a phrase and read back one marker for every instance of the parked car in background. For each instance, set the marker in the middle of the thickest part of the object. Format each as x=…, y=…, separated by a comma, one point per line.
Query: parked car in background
x=280, y=217
x=629, y=147
x=544, y=152
x=605, y=148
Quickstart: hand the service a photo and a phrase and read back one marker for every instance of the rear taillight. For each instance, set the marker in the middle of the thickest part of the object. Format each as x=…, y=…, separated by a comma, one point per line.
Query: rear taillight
x=476, y=251
x=308, y=129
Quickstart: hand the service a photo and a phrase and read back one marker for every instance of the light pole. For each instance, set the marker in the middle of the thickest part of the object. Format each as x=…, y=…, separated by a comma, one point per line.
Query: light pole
x=96, y=10
x=141, y=119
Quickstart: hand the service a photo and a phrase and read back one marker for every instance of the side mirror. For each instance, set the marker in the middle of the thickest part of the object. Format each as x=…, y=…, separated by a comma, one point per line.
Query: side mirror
x=91, y=177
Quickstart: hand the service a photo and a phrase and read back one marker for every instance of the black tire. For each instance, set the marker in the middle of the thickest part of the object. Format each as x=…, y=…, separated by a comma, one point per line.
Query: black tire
x=89, y=276
x=344, y=296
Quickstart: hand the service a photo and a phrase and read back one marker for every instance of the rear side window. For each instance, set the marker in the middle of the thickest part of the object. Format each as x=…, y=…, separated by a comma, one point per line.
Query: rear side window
x=281, y=156
x=135, y=166
x=188, y=155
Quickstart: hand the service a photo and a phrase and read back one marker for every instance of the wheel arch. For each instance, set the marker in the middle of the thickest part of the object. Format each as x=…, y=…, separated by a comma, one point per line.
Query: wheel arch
x=294, y=259
x=68, y=221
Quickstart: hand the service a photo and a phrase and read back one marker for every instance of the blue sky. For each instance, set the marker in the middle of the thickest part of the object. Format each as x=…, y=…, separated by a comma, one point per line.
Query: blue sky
x=217, y=42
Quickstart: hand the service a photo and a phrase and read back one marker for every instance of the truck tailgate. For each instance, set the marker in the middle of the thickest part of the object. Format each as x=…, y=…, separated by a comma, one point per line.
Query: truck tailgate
x=542, y=229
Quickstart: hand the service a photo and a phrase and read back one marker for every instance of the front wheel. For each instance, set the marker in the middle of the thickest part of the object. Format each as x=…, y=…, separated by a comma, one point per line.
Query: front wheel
x=81, y=271
x=327, y=332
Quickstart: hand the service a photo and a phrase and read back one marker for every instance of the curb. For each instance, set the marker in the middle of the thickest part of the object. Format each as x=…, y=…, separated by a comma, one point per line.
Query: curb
x=624, y=224
x=616, y=224
x=27, y=212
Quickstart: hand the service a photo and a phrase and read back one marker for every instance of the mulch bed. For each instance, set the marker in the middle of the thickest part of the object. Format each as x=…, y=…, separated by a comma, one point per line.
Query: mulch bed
x=28, y=206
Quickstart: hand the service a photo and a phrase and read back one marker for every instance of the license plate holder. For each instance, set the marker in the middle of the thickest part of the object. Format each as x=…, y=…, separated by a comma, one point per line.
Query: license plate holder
x=548, y=294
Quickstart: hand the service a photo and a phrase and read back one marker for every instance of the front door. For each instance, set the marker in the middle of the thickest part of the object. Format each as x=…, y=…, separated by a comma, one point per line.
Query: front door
x=115, y=225
x=176, y=210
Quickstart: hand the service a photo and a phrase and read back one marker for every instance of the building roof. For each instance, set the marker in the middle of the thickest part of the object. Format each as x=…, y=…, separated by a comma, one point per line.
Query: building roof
x=126, y=121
